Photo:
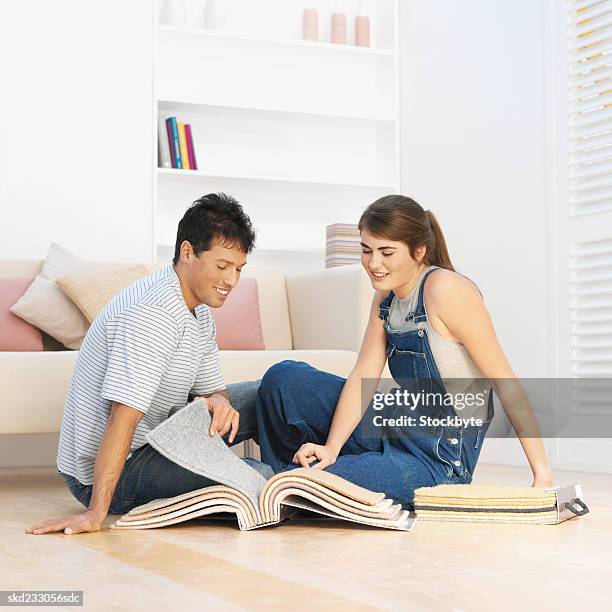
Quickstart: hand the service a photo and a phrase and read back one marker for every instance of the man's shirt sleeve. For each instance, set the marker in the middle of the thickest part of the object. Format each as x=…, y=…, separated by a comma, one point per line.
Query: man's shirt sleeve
x=209, y=377
x=141, y=342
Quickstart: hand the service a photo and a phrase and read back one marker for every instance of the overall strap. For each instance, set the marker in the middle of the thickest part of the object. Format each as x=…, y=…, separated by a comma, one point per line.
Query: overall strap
x=419, y=313
x=384, y=307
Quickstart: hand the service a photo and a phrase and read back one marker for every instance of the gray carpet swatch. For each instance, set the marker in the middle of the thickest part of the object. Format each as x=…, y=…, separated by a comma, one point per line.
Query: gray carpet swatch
x=184, y=439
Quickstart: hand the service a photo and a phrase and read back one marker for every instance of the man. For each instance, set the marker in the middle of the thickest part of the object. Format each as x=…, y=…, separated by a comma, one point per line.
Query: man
x=150, y=349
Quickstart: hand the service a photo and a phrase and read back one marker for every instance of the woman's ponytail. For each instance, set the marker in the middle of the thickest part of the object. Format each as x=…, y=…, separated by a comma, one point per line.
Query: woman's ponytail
x=438, y=256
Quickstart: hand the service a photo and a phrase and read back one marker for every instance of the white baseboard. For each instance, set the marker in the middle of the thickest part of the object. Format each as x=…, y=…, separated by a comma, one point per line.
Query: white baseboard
x=28, y=450
x=40, y=450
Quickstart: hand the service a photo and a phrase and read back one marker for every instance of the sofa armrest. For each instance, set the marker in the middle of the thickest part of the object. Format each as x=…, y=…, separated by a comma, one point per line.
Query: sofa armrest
x=34, y=388
x=329, y=309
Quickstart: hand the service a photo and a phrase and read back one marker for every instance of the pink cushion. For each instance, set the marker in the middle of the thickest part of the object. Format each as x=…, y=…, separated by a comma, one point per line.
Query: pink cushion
x=15, y=333
x=238, y=322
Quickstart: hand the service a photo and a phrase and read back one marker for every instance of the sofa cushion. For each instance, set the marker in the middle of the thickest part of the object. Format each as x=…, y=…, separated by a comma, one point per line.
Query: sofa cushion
x=15, y=333
x=238, y=321
x=273, y=307
x=47, y=307
x=91, y=292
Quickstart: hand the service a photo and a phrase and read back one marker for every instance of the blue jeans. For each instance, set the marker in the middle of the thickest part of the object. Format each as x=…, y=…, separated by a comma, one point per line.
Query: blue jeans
x=296, y=403
x=148, y=475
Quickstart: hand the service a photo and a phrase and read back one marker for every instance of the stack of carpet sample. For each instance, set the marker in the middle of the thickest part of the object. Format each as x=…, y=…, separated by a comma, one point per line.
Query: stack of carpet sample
x=342, y=245
x=499, y=504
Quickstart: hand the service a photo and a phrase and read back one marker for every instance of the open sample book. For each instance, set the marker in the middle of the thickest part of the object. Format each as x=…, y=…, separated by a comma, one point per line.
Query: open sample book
x=183, y=438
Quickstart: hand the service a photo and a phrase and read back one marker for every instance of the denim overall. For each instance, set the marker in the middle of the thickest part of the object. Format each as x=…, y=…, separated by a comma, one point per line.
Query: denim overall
x=454, y=449
x=296, y=403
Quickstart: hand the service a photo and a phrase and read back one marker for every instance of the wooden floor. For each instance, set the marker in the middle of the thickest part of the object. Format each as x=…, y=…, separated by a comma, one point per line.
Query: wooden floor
x=312, y=566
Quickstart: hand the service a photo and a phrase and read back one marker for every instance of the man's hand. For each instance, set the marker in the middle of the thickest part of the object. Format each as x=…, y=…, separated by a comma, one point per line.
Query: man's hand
x=309, y=452
x=224, y=416
x=77, y=523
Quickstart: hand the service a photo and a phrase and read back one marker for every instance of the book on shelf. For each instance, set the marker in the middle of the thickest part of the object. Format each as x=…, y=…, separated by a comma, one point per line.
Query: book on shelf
x=175, y=142
x=244, y=493
x=163, y=145
x=183, y=146
x=190, y=148
x=170, y=144
x=175, y=149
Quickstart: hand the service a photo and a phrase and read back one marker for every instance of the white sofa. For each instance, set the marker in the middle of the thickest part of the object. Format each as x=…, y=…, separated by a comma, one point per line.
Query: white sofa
x=318, y=318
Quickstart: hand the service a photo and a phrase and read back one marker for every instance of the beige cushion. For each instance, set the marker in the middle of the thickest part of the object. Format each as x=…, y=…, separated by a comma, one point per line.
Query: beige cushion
x=273, y=307
x=322, y=316
x=91, y=292
x=47, y=307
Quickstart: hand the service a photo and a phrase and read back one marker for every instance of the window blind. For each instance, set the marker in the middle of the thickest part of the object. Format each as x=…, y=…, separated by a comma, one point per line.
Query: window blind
x=589, y=48
x=591, y=309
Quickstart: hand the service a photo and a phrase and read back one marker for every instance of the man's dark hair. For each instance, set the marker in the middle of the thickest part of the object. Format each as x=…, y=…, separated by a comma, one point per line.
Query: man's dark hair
x=216, y=216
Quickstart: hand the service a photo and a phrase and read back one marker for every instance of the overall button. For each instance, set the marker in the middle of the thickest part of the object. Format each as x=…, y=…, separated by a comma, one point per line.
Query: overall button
x=457, y=463
x=453, y=441
x=420, y=333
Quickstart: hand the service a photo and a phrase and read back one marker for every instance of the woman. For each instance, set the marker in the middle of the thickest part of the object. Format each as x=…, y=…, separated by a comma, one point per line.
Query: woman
x=431, y=325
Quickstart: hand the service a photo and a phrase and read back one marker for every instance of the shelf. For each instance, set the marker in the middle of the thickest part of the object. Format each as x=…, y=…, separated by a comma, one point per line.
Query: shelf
x=186, y=104
x=198, y=174
x=269, y=248
x=297, y=43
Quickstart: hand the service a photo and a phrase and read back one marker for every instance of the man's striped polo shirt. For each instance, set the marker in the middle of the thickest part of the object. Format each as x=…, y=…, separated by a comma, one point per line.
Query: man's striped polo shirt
x=146, y=350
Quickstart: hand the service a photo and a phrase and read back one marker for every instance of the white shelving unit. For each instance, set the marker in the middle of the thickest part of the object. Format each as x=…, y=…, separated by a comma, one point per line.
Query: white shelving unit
x=302, y=133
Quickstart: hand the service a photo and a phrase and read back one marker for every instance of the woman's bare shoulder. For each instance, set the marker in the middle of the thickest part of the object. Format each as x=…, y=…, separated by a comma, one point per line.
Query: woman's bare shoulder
x=449, y=285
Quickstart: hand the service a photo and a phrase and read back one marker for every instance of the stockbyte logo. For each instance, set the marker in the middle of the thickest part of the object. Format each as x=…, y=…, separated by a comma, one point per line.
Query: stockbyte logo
x=426, y=421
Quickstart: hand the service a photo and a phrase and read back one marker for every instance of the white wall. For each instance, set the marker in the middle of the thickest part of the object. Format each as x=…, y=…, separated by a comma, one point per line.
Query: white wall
x=475, y=150
x=76, y=128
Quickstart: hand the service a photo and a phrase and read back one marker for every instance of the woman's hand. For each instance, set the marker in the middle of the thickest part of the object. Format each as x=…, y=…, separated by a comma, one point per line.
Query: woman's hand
x=309, y=452
x=86, y=522
x=543, y=478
